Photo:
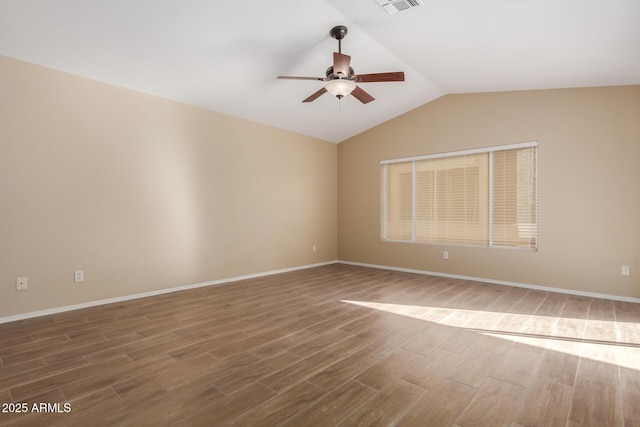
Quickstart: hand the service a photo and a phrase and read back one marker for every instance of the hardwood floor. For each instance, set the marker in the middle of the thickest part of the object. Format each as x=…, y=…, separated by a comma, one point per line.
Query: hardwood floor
x=328, y=346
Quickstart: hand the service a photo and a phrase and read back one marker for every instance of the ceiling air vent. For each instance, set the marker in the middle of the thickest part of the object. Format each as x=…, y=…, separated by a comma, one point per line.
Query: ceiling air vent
x=393, y=6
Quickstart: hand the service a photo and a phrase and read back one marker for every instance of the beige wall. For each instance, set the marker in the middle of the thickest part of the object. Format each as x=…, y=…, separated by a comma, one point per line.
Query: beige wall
x=143, y=193
x=589, y=185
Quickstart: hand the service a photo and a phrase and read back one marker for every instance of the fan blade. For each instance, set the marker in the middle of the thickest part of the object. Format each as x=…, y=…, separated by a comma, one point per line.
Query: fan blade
x=341, y=64
x=315, y=95
x=362, y=95
x=322, y=79
x=397, y=76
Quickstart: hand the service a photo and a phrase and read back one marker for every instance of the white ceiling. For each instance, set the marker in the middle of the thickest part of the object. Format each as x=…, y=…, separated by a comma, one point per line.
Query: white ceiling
x=225, y=55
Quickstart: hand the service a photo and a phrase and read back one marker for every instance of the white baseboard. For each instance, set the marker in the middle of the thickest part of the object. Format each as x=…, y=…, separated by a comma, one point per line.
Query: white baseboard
x=152, y=293
x=497, y=282
x=303, y=267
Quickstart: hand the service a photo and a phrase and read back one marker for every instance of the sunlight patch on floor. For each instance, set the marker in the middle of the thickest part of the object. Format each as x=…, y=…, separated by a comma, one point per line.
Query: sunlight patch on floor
x=600, y=341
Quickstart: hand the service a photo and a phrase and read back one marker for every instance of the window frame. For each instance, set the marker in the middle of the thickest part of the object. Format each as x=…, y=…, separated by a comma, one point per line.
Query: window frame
x=489, y=193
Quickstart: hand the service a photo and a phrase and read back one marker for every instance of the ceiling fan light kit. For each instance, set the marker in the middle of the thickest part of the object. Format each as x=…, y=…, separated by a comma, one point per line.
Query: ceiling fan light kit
x=341, y=79
x=340, y=87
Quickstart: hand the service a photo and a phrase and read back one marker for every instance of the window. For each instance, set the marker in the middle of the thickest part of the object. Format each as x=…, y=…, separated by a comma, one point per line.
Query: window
x=485, y=197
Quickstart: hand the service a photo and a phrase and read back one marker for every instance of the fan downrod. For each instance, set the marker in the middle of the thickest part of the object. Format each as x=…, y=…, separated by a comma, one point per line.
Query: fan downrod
x=339, y=32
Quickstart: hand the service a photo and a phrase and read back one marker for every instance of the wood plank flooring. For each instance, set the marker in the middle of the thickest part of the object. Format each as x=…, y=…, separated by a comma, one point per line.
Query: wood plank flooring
x=337, y=345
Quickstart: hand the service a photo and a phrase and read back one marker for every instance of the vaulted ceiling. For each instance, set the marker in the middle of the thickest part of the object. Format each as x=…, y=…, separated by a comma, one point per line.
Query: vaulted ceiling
x=225, y=55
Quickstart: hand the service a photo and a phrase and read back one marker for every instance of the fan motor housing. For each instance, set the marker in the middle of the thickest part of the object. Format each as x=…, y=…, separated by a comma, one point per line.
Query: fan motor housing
x=332, y=76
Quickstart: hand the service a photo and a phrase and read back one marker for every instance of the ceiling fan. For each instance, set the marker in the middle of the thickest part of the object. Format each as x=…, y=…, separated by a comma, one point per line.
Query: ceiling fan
x=340, y=77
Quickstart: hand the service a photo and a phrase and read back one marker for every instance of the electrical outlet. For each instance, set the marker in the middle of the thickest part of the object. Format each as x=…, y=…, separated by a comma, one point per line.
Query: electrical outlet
x=445, y=255
x=625, y=270
x=78, y=276
x=313, y=248
x=21, y=284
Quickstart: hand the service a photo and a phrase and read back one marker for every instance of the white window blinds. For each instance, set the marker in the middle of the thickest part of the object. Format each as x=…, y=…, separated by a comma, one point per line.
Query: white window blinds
x=485, y=197
x=514, y=199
